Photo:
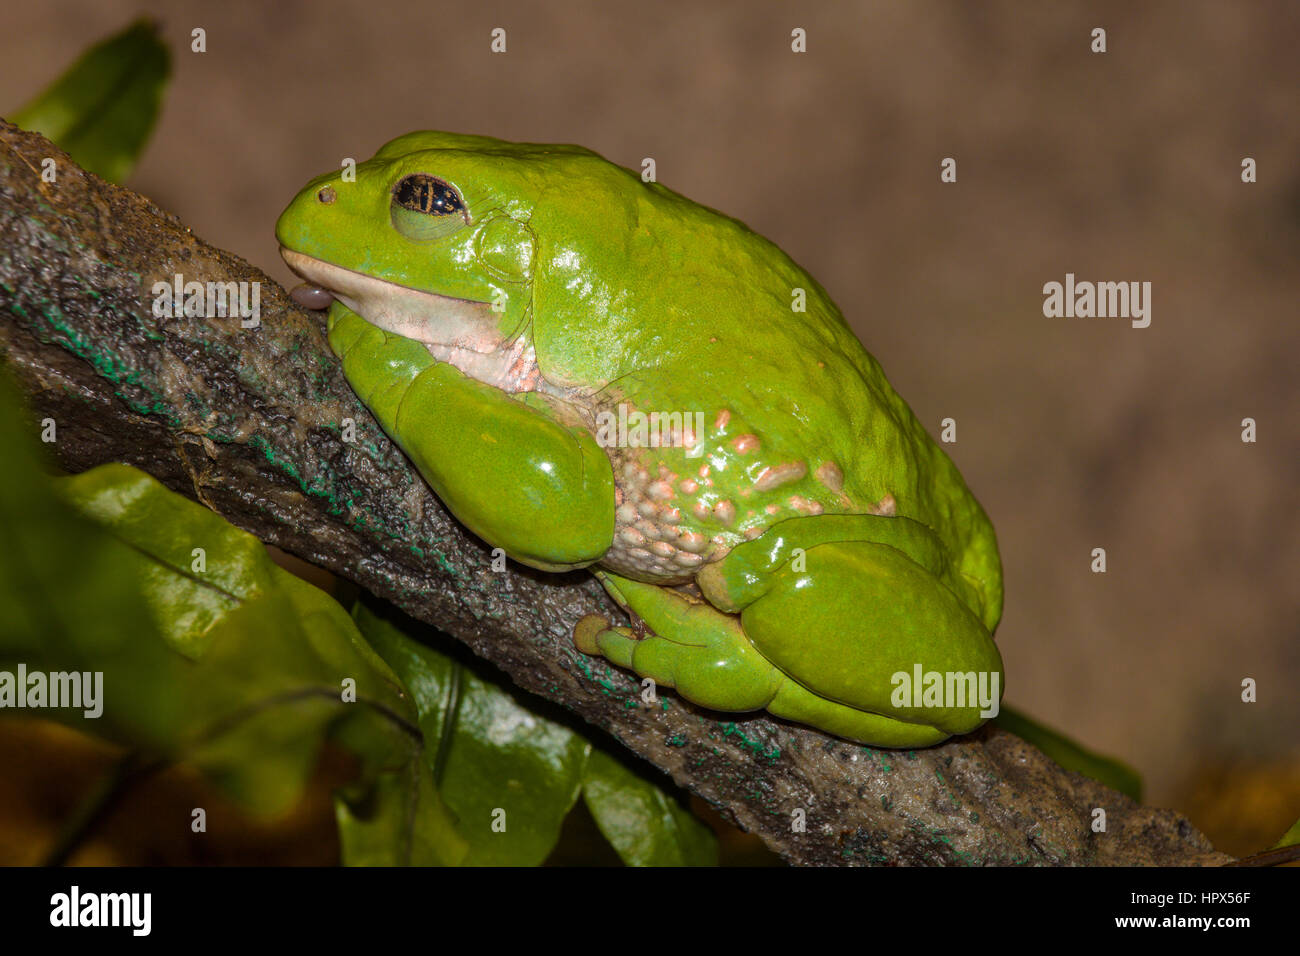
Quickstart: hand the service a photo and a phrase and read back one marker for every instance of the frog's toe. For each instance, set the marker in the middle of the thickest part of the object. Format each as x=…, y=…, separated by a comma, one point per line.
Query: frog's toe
x=595, y=635
x=587, y=631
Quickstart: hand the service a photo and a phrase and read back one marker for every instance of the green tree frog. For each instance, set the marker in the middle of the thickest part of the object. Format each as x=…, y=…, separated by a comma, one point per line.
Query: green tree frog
x=789, y=539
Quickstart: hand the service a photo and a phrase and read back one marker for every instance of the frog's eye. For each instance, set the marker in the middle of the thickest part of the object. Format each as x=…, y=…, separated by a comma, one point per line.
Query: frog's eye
x=421, y=192
x=426, y=207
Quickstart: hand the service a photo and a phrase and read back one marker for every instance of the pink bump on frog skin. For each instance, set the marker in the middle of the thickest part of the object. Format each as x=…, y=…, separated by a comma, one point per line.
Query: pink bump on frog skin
x=886, y=506
x=744, y=444
x=829, y=474
x=774, y=476
x=771, y=509
x=752, y=533
x=725, y=512
x=692, y=541
x=720, y=423
x=672, y=515
x=806, y=505
x=690, y=486
x=661, y=490
x=701, y=510
x=704, y=471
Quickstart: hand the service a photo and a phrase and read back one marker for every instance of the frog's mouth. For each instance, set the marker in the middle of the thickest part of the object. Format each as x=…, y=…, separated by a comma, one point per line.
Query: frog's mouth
x=436, y=320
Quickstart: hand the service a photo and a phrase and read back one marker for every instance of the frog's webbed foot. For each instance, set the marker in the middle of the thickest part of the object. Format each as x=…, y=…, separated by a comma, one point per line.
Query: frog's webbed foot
x=689, y=646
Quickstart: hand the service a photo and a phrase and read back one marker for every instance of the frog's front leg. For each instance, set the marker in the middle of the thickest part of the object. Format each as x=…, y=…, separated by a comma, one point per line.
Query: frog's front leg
x=541, y=489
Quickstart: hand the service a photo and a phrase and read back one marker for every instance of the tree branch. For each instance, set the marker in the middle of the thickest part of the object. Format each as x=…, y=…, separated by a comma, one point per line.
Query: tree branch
x=247, y=421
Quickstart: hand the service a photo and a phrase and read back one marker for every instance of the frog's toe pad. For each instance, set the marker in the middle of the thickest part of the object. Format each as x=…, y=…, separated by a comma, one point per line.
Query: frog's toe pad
x=586, y=631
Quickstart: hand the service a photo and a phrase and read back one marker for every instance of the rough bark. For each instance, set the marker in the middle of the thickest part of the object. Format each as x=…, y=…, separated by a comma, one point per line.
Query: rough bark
x=248, y=422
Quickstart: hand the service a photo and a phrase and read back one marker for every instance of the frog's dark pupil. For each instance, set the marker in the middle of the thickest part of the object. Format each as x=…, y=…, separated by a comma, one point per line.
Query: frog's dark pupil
x=428, y=194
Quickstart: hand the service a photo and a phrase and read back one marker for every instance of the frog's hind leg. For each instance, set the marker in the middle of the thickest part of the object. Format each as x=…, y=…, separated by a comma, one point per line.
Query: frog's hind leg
x=705, y=655
x=862, y=622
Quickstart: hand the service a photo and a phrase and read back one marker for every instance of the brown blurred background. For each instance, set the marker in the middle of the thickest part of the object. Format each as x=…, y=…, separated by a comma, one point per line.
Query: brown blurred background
x=1074, y=433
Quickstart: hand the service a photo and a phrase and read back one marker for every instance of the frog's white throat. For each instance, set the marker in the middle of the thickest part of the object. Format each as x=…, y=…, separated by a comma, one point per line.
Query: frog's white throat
x=461, y=332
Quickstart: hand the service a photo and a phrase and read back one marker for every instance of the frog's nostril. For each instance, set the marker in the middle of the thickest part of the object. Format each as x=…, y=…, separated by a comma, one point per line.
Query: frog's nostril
x=326, y=195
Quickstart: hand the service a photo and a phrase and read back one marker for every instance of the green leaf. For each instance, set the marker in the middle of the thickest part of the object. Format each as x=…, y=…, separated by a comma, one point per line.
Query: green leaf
x=398, y=821
x=67, y=603
x=1070, y=755
x=497, y=759
x=102, y=110
x=645, y=825
x=509, y=774
x=212, y=654
x=282, y=649
x=238, y=668
x=274, y=655
x=1290, y=838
